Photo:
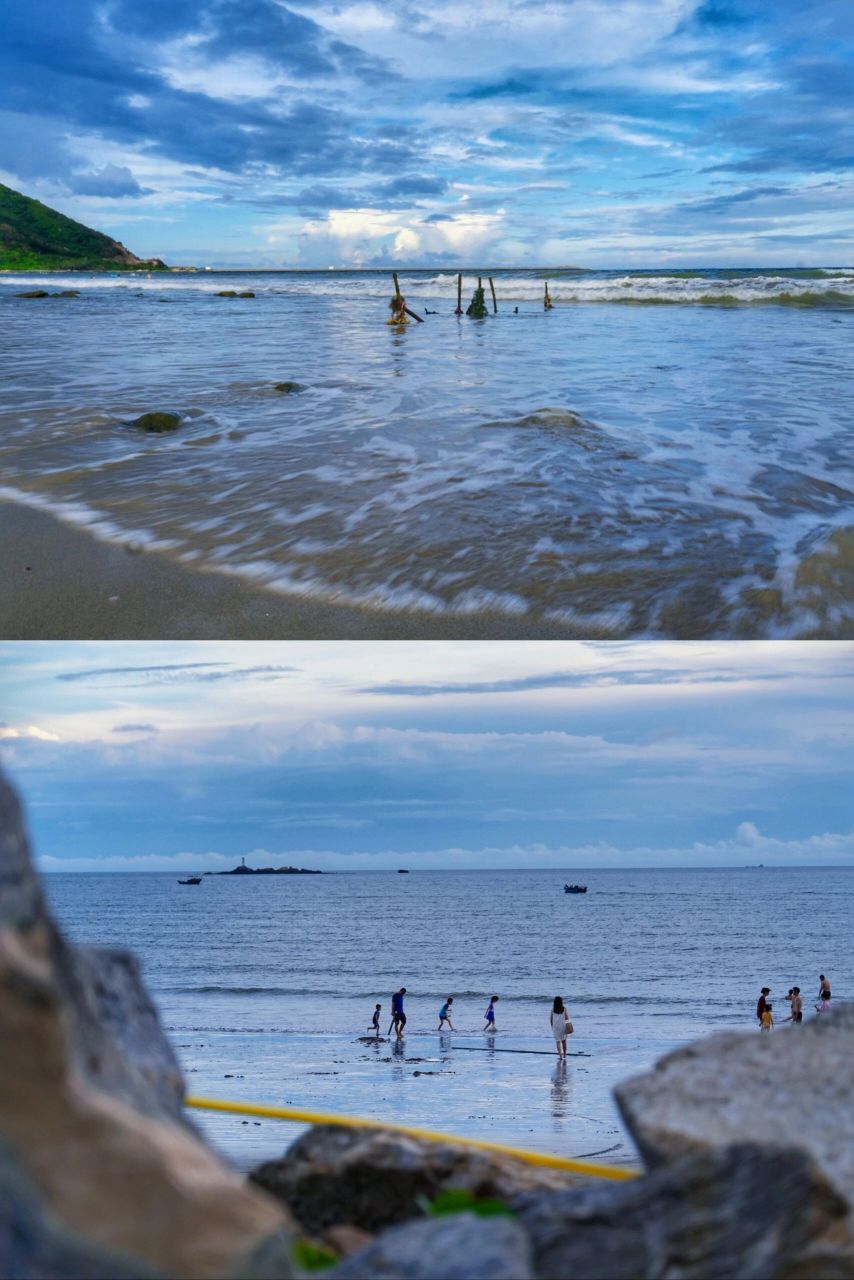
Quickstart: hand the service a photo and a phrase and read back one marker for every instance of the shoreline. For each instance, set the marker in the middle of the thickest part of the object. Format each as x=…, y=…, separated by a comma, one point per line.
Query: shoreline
x=58, y=581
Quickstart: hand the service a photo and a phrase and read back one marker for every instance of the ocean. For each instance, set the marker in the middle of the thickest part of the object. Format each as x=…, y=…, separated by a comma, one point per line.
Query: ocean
x=266, y=985
x=662, y=454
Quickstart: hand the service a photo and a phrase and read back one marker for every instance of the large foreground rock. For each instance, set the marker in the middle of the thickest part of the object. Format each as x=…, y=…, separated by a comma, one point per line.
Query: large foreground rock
x=374, y=1179
x=735, y=1213
x=461, y=1247
x=794, y=1087
x=33, y=1246
x=89, y=1094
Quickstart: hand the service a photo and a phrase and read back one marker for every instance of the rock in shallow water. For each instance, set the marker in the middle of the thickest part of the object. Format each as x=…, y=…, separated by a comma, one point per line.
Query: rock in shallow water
x=373, y=1179
x=461, y=1247
x=84, y=1114
x=157, y=423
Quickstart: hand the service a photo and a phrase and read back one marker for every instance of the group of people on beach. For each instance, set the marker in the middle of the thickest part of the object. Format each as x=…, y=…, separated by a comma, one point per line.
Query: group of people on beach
x=561, y=1024
x=765, y=1009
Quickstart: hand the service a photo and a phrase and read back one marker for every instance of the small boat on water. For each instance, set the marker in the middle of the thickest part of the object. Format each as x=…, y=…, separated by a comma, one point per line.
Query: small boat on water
x=575, y=888
x=192, y=880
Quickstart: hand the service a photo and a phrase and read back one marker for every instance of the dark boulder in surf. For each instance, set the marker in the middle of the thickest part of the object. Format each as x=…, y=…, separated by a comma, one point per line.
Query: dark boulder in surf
x=157, y=423
x=33, y=293
x=287, y=388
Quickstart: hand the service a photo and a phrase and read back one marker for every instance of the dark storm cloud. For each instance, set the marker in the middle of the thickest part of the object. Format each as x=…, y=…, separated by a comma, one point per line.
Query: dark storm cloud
x=100, y=68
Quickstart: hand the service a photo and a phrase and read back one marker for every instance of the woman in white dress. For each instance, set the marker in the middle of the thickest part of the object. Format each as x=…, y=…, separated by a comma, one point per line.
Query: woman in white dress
x=560, y=1026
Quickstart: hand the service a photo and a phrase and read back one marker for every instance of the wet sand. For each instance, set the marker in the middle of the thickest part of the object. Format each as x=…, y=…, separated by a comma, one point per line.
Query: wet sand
x=474, y=1086
x=59, y=582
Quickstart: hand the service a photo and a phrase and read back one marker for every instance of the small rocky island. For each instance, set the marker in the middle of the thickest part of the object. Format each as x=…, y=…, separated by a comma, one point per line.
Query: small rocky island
x=243, y=870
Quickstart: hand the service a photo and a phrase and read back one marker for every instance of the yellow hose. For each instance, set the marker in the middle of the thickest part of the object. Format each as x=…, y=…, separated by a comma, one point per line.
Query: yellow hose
x=585, y=1167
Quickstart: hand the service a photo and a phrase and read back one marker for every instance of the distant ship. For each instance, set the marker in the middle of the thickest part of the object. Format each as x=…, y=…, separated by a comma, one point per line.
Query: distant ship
x=403, y=871
x=192, y=880
x=575, y=888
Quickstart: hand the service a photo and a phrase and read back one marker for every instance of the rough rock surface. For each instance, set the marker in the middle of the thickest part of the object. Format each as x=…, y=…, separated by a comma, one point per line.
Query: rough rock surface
x=794, y=1087
x=93, y=1131
x=461, y=1247
x=32, y=1246
x=373, y=1179
x=734, y=1213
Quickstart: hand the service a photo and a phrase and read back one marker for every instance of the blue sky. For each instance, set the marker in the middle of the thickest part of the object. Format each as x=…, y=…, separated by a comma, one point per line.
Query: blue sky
x=169, y=756
x=359, y=132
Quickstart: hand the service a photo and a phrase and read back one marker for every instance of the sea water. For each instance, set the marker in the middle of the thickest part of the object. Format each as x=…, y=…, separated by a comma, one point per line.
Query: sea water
x=268, y=984
x=663, y=453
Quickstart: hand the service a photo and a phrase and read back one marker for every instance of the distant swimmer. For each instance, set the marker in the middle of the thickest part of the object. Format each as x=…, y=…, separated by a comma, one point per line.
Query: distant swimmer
x=761, y=1002
x=398, y=1017
x=428, y=312
x=375, y=1021
x=561, y=1025
x=489, y=1025
x=766, y=1022
x=445, y=1014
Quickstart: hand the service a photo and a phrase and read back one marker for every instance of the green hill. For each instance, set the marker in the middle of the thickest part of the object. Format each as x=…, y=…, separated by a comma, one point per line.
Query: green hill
x=36, y=238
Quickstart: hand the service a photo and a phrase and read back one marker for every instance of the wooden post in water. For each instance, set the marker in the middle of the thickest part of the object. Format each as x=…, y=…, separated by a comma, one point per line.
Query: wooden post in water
x=396, y=283
x=459, y=310
x=494, y=300
x=547, y=302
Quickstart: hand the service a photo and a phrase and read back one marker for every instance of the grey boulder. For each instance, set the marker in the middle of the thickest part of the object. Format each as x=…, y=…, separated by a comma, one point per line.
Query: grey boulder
x=374, y=1179
x=734, y=1213
x=458, y=1247
x=793, y=1088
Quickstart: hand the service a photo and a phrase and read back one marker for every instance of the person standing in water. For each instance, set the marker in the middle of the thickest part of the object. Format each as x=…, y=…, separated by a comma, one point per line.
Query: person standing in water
x=398, y=1017
x=445, y=1014
x=797, y=1004
x=762, y=1001
x=824, y=987
x=766, y=1022
x=489, y=1025
x=375, y=1021
x=560, y=1025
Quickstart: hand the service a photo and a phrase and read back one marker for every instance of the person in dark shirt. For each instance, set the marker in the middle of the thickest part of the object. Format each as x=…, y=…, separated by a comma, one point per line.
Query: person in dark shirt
x=375, y=1022
x=762, y=1001
x=398, y=1017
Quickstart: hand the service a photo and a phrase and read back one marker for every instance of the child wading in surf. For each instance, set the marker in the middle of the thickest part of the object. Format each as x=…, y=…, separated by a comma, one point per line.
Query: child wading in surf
x=445, y=1014
x=397, y=307
x=375, y=1022
x=489, y=1025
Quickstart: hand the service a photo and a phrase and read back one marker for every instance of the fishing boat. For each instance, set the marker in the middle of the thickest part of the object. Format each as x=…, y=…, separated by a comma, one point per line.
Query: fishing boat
x=191, y=880
x=575, y=888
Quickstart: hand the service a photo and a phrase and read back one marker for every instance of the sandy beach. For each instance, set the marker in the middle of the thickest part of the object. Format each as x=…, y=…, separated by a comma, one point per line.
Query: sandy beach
x=57, y=580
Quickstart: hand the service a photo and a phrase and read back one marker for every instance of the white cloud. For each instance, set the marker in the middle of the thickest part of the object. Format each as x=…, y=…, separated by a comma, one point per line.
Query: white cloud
x=28, y=731
x=747, y=846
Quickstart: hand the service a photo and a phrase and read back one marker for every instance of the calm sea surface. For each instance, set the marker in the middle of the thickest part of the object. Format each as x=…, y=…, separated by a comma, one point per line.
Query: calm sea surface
x=267, y=984
x=661, y=454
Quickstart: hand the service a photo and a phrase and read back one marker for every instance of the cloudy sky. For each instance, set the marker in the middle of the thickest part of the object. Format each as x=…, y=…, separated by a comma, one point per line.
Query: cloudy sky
x=346, y=755
x=337, y=132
